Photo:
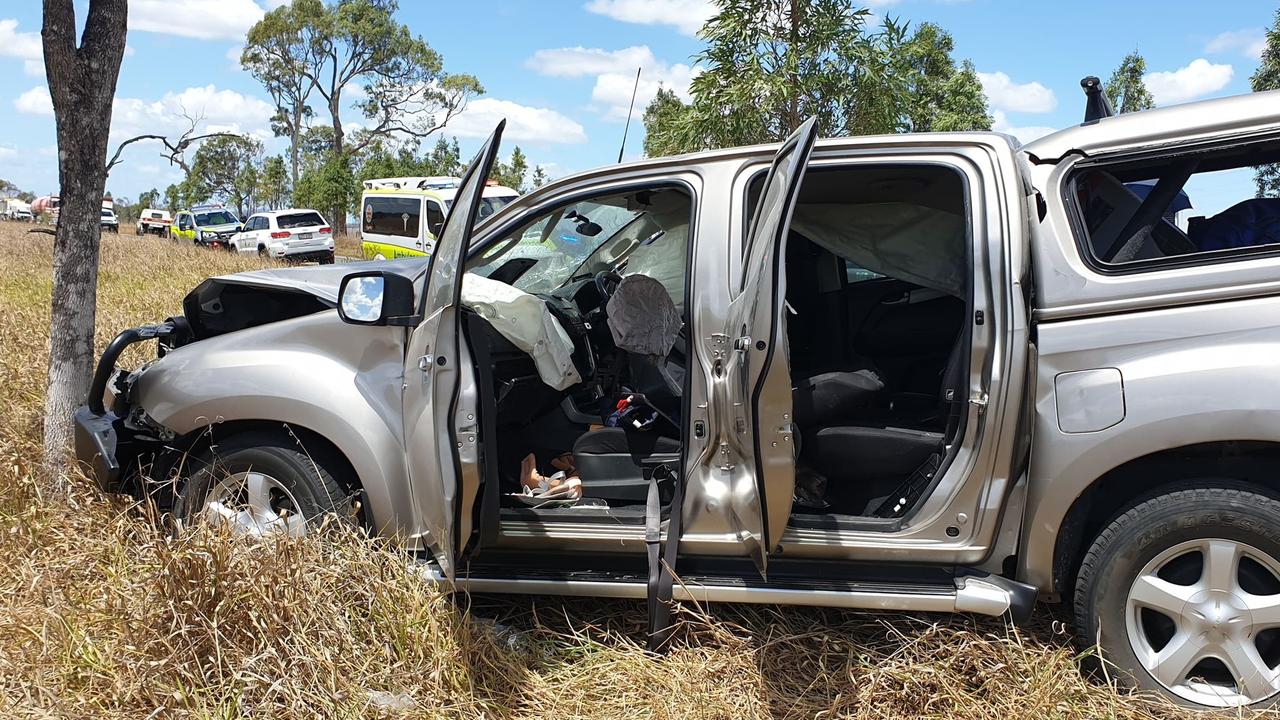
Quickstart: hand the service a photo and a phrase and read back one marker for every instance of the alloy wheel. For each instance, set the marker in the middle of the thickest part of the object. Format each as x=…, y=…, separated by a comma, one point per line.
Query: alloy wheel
x=254, y=503
x=1203, y=619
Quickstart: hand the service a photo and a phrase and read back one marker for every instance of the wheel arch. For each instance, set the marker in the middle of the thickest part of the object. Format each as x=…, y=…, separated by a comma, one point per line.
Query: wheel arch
x=1248, y=464
x=337, y=382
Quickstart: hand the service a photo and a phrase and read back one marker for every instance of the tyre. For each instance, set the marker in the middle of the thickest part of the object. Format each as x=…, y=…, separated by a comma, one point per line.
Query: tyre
x=1181, y=593
x=259, y=483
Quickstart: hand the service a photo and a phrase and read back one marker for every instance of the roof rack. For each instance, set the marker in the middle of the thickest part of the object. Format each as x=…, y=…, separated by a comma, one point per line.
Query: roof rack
x=208, y=206
x=1096, y=104
x=433, y=182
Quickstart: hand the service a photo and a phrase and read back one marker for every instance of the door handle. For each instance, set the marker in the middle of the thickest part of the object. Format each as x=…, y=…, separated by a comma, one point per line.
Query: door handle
x=426, y=362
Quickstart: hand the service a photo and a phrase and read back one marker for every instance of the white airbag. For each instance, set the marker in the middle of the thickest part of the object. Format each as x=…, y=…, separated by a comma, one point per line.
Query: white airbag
x=525, y=321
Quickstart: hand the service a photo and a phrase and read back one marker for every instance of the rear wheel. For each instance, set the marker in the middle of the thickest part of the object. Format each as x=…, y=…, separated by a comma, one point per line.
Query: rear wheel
x=259, y=483
x=1182, y=595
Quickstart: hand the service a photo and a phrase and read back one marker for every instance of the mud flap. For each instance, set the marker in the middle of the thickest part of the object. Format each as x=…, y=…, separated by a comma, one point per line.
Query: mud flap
x=662, y=560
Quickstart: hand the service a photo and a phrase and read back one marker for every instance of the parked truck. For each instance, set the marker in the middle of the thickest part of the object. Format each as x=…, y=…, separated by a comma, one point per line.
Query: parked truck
x=17, y=209
x=154, y=222
x=936, y=372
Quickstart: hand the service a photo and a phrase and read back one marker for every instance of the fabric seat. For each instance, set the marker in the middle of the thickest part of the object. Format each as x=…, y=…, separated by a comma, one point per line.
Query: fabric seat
x=854, y=452
x=611, y=462
x=871, y=450
x=832, y=397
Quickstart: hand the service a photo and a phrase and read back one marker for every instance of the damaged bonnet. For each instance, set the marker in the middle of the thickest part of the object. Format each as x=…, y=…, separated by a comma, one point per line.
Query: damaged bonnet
x=229, y=303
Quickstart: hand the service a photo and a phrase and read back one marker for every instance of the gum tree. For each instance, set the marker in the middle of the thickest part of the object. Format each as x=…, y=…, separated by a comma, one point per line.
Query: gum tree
x=1267, y=77
x=770, y=64
x=356, y=49
x=1126, y=89
x=82, y=78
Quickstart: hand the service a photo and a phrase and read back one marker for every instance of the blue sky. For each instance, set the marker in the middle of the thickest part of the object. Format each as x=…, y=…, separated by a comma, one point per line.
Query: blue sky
x=561, y=71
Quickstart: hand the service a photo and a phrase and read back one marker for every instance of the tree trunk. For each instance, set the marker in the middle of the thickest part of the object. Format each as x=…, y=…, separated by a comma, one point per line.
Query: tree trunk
x=339, y=222
x=82, y=83
x=294, y=140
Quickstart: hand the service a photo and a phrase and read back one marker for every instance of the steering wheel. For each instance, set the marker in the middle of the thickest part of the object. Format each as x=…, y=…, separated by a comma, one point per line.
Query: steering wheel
x=607, y=282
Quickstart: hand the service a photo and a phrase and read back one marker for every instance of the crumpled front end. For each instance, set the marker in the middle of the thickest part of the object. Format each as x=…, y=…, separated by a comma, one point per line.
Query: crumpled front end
x=112, y=435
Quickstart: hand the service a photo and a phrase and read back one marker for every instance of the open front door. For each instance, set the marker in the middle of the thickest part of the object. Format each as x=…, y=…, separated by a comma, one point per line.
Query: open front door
x=433, y=365
x=755, y=390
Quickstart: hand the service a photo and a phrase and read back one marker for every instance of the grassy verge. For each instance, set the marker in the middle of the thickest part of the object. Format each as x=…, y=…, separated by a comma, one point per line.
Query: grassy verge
x=104, y=615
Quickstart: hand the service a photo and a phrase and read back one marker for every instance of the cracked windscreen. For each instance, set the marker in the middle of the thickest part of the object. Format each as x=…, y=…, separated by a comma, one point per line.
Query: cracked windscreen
x=556, y=244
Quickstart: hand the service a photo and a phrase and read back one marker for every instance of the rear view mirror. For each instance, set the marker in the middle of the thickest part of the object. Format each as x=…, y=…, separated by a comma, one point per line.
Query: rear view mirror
x=376, y=298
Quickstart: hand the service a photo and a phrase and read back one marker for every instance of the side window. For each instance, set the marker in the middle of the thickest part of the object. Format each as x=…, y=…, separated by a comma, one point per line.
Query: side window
x=856, y=273
x=1181, y=209
x=435, y=217
x=252, y=223
x=388, y=215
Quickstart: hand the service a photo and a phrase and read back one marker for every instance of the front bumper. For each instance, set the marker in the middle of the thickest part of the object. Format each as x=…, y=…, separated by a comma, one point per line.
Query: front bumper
x=97, y=439
x=104, y=442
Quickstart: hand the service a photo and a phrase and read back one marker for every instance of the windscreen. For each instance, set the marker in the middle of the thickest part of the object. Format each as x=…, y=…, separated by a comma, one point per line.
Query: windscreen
x=218, y=217
x=559, y=242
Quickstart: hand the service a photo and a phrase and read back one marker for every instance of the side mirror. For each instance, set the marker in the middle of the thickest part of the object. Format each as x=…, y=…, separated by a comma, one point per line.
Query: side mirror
x=376, y=297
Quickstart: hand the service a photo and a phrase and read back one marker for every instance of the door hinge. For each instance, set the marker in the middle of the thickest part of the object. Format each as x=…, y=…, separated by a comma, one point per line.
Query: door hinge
x=979, y=400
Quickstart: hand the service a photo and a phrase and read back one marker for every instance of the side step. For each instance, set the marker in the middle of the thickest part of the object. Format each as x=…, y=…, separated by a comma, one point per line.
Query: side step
x=981, y=594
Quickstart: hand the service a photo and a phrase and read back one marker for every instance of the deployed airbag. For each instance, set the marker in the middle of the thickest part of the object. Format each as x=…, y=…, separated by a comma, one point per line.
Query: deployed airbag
x=525, y=321
x=643, y=319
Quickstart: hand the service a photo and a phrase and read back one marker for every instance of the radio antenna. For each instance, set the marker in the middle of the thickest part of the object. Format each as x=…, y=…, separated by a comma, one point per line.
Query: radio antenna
x=630, y=109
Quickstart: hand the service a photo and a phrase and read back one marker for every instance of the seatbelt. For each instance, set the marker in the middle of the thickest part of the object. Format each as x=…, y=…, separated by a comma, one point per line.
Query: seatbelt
x=661, y=564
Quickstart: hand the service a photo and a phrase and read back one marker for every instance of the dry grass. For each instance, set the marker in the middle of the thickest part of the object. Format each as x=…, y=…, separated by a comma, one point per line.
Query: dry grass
x=104, y=615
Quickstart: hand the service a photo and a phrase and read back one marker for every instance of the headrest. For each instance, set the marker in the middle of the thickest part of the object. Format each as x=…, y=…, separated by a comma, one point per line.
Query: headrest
x=642, y=317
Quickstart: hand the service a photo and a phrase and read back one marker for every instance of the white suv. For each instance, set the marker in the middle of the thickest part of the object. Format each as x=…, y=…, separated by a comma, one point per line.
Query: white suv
x=292, y=234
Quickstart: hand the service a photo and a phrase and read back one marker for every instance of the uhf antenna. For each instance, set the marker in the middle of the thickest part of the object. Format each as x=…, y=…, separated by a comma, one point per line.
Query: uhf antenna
x=630, y=108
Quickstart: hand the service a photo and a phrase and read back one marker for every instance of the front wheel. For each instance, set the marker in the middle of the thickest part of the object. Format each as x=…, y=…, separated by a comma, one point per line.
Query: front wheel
x=1181, y=594
x=259, y=483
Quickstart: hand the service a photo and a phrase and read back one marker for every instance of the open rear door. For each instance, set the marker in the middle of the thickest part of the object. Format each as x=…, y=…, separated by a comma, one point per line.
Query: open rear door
x=433, y=367
x=756, y=419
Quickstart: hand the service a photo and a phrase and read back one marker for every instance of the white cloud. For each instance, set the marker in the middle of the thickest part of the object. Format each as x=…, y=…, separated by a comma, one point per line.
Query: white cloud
x=1024, y=134
x=218, y=110
x=1249, y=42
x=15, y=44
x=1199, y=78
x=612, y=91
x=580, y=61
x=233, y=56
x=33, y=68
x=8, y=153
x=35, y=101
x=615, y=72
x=128, y=51
x=524, y=123
x=203, y=19
x=687, y=16
x=1004, y=94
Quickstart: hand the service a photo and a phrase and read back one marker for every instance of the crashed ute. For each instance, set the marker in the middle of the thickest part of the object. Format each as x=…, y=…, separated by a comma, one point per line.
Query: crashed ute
x=941, y=372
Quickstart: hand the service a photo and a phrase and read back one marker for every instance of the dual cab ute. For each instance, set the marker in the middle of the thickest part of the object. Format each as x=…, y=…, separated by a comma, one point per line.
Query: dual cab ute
x=938, y=372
